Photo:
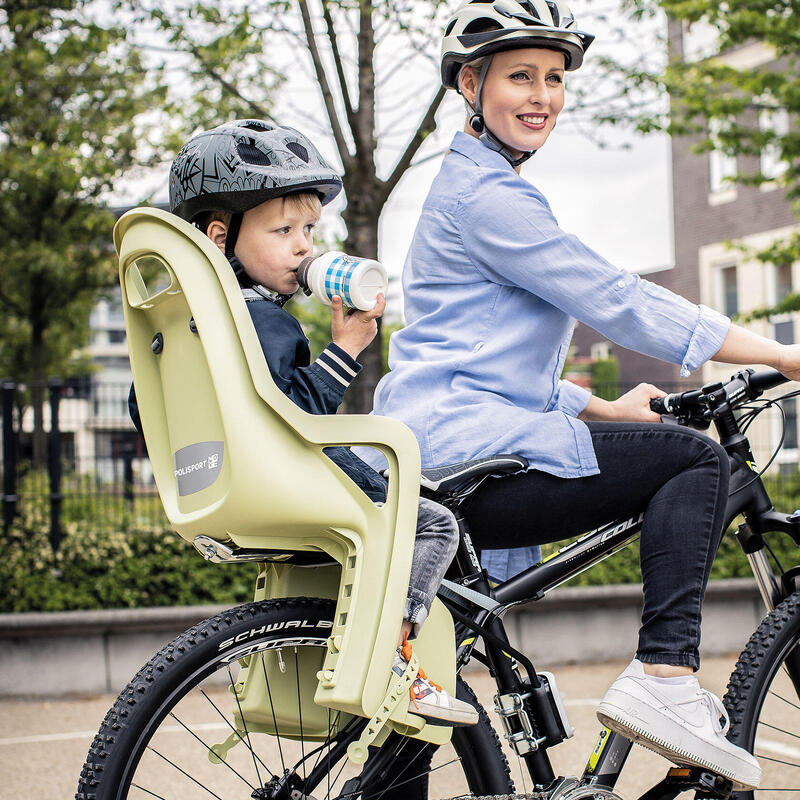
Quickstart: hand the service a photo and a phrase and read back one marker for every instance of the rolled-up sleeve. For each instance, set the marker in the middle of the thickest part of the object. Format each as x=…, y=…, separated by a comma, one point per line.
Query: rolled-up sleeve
x=512, y=238
x=571, y=398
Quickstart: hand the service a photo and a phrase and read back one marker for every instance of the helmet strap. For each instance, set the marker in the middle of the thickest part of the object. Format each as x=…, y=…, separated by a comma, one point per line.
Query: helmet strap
x=230, y=245
x=478, y=124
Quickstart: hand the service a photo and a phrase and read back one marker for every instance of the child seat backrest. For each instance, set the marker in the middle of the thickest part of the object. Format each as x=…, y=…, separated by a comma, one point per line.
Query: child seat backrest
x=236, y=460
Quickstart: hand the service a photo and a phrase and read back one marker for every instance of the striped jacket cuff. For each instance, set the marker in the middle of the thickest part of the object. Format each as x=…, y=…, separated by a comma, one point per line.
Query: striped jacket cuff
x=338, y=364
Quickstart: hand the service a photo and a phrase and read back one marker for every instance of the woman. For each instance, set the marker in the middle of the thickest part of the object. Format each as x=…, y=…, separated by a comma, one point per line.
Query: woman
x=492, y=291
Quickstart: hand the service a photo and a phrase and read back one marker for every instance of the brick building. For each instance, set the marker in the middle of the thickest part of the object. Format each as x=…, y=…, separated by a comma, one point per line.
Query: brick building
x=709, y=211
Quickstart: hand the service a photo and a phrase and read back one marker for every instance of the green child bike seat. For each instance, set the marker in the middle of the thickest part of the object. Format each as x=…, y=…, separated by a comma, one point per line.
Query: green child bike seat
x=236, y=460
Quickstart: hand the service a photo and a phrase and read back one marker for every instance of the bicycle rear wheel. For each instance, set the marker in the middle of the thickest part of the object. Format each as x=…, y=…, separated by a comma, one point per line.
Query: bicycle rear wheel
x=157, y=739
x=763, y=701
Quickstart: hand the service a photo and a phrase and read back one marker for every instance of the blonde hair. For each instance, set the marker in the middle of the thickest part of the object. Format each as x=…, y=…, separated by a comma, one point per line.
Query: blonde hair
x=308, y=202
x=305, y=201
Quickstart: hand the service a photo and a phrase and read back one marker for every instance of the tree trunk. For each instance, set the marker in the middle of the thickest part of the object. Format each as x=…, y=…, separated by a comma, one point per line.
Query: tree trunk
x=361, y=218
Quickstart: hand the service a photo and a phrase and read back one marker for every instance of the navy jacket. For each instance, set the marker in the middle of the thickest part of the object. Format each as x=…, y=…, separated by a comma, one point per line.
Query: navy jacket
x=317, y=388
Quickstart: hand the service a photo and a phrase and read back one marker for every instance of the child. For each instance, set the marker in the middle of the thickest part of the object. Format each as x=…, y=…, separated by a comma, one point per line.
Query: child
x=256, y=190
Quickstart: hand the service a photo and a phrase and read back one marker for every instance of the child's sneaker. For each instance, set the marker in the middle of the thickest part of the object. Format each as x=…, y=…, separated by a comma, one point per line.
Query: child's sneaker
x=430, y=701
x=680, y=721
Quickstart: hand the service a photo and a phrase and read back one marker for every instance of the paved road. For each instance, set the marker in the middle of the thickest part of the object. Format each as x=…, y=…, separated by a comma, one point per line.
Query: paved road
x=43, y=744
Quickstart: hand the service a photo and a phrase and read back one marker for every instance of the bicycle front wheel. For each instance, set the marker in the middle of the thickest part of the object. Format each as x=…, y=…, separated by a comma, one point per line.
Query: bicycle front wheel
x=179, y=730
x=763, y=701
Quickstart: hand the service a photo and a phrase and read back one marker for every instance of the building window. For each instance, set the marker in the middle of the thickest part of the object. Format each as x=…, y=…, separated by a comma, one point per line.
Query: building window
x=700, y=40
x=729, y=291
x=116, y=336
x=783, y=323
x=722, y=168
x=790, y=435
x=600, y=351
x=776, y=121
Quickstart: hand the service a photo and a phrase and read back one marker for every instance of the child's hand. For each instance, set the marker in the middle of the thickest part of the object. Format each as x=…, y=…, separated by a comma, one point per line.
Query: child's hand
x=356, y=329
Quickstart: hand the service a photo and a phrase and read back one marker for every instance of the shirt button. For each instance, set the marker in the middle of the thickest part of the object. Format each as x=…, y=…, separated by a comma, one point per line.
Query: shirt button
x=477, y=347
x=620, y=284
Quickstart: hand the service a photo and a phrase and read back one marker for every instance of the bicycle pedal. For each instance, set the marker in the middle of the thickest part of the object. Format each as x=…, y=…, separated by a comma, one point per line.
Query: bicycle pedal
x=705, y=782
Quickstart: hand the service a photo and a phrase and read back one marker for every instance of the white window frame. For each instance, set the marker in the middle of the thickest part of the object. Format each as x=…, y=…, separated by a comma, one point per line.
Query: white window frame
x=720, y=167
x=775, y=119
x=719, y=269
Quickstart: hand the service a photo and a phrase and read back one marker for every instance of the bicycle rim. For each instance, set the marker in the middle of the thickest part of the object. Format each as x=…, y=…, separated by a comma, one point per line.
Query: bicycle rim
x=763, y=700
x=166, y=735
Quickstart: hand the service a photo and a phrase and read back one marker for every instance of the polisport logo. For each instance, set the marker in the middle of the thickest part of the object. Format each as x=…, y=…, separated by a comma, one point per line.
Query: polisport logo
x=291, y=624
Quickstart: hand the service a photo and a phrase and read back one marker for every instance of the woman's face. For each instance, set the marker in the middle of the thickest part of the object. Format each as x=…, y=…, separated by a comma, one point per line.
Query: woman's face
x=522, y=95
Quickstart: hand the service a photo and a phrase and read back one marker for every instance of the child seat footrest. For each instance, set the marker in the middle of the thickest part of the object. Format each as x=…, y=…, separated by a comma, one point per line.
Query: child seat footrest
x=399, y=689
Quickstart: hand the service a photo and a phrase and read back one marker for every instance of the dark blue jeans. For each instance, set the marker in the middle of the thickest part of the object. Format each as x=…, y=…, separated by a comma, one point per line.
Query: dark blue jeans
x=679, y=477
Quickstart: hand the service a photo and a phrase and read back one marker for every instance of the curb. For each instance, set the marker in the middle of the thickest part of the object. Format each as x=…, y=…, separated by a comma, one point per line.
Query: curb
x=54, y=653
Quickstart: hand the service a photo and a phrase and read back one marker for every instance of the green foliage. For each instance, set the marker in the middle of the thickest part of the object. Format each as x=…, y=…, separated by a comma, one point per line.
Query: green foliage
x=724, y=108
x=98, y=566
x=70, y=93
x=605, y=378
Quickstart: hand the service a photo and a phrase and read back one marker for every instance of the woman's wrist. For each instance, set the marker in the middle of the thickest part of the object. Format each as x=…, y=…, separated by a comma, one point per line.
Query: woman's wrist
x=599, y=410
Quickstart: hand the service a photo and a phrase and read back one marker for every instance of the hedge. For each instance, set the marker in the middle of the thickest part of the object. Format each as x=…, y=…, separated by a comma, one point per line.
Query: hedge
x=99, y=566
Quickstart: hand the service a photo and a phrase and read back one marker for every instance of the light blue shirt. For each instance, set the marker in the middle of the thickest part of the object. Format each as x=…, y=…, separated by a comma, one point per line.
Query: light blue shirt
x=492, y=289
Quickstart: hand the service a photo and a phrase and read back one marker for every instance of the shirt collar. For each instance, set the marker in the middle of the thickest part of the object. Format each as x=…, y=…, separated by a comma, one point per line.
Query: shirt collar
x=477, y=152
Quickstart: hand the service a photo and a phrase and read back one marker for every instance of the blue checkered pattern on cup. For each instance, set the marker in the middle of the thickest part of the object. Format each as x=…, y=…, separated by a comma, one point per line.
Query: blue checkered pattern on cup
x=337, y=279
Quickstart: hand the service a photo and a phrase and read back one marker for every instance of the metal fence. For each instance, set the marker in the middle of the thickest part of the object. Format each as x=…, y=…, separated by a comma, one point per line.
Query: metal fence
x=79, y=457
x=88, y=462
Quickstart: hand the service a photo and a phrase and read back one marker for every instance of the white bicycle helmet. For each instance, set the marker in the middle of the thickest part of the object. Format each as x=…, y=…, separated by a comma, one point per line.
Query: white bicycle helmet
x=481, y=28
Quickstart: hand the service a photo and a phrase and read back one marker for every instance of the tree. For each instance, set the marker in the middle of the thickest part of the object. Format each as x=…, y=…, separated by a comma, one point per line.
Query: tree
x=337, y=43
x=71, y=90
x=737, y=111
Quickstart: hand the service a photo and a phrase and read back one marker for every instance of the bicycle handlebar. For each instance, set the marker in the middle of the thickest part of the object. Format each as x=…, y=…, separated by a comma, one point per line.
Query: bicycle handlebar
x=695, y=407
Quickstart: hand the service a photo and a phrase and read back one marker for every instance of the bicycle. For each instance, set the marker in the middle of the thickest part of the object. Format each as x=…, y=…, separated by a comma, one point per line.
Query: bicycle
x=175, y=700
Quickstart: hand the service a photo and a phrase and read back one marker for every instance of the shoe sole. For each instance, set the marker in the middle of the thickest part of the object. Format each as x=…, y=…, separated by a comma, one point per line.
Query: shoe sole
x=454, y=719
x=614, y=720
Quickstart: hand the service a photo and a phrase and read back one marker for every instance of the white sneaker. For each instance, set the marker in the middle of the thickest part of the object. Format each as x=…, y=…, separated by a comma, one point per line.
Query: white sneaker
x=681, y=722
x=429, y=700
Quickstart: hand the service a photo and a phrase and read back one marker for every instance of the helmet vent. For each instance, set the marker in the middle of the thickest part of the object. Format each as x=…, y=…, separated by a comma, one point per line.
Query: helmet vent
x=298, y=150
x=554, y=12
x=256, y=125
x=250, y=154
x=532, y=10
x=481, y=26
x=448, y=30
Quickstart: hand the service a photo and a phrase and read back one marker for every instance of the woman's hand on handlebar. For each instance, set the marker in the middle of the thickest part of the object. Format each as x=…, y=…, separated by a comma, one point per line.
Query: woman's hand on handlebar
x=633, y=406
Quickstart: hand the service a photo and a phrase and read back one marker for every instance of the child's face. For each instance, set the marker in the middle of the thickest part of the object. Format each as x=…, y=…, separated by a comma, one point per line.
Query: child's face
x=274, y=238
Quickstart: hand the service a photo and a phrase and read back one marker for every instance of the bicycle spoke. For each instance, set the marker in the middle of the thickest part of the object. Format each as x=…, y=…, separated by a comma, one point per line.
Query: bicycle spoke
x=244, y=725
x=184, y=772
x=209, y=749
x=777, y=761
x=779, y=730
x=394, y=783
x=430, y=771
x=147, y=791
x=272, y=709
x=300, y=714
x=788, y=702
x=232, y=727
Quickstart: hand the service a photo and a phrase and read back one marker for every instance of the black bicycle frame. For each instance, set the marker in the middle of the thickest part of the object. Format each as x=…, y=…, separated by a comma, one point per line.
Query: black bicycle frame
x=748, y=497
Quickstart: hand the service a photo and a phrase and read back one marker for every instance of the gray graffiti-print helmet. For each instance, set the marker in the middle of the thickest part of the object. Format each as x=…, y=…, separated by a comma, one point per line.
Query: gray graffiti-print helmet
x=238, y=165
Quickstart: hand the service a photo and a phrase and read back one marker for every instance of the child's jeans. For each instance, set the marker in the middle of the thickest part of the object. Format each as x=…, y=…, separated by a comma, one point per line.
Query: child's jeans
x=434, y=547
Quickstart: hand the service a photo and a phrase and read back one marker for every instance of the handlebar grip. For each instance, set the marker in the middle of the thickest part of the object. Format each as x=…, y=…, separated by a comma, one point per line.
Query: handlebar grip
x=658, y=404
x=767, y=379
